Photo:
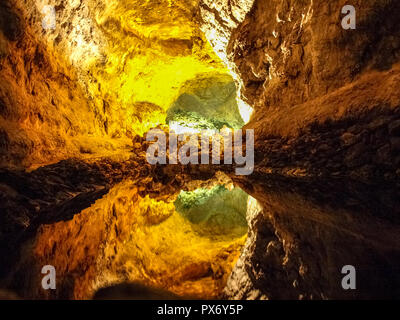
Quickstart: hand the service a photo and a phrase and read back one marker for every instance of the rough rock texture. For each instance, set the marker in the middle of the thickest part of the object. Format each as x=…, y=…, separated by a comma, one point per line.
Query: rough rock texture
x=42, y=106
x=108, y=71
x=290, y=52
x=326, y=105
x=363, y=146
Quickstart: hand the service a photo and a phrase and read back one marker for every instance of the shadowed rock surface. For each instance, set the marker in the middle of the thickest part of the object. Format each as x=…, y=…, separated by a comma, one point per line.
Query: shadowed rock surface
x=303, y=231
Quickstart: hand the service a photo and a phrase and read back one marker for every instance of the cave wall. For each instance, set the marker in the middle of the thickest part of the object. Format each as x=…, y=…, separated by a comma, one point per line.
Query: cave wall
x=326, y=106
x=45, y=114
x=108, y=71
x=289, y=52
x=295, y=64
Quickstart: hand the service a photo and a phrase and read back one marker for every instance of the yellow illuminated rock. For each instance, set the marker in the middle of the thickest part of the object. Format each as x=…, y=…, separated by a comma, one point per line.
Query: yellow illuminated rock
x=108, y=71
x=124, y=238
x=153, y=48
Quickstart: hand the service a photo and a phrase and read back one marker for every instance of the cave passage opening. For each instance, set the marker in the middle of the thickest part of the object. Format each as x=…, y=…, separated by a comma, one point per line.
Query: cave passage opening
x=207, y=102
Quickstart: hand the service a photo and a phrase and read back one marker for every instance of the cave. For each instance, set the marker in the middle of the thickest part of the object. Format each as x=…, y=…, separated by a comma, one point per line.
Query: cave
x=84, y=84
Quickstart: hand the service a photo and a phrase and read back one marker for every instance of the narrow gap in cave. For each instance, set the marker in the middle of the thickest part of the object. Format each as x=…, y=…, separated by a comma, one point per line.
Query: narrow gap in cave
x=207, y=102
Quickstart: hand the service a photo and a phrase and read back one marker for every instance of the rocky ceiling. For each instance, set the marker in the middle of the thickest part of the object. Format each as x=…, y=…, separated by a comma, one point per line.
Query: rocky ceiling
x=108, y=71
x=75, y=188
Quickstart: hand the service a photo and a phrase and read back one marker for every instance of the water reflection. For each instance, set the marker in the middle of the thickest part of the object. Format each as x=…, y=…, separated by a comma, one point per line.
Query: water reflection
x=310, y=229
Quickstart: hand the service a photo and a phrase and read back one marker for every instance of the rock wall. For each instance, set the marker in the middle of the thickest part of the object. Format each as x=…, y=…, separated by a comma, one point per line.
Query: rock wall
x=326, y=106
x=45, y=115
x=290, y=52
